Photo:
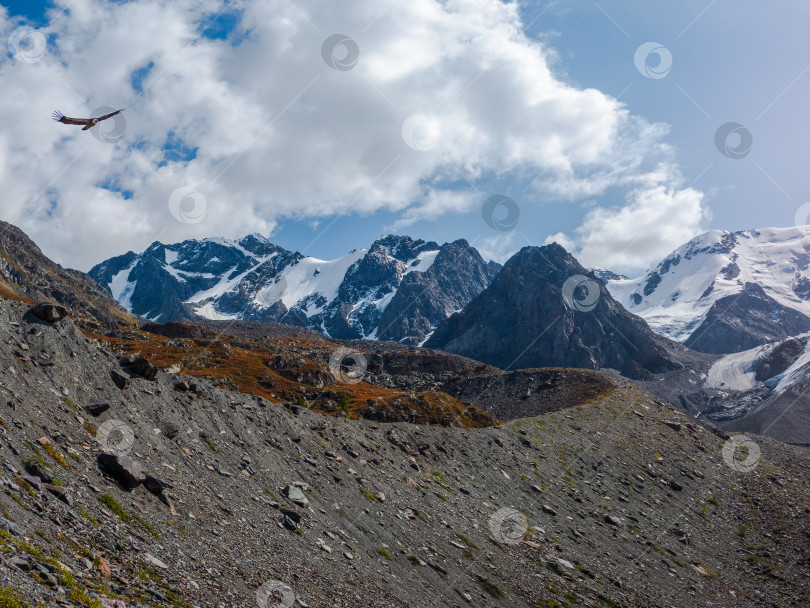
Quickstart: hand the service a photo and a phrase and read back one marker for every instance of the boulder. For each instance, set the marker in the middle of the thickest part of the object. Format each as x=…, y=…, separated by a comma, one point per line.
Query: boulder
x=155, y=485
x=119, y=380
x=61, y=493
x=39, y=470
x=124, y=469
x=47, y=311
x=97, y=407
x=142, y=367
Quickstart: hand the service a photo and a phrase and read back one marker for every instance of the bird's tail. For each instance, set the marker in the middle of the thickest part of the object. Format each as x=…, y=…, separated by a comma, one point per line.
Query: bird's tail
x=57, y=115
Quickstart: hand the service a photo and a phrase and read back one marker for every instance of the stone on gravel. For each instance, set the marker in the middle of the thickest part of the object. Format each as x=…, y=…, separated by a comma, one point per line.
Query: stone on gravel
x=9, y=526
x=61, y=493
x=170, y=429
x=33, y=481
x=142, y=367
x=154, y=561
x=296, y=495
x=675, y=426
x=40, y=470
x=20, y=563
x=124, y=469
x=119, y=380
x=98, y=407
x=50, y=312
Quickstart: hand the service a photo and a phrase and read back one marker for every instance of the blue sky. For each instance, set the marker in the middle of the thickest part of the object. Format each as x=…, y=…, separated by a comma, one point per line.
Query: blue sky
x=737, y=61
x=731, y=62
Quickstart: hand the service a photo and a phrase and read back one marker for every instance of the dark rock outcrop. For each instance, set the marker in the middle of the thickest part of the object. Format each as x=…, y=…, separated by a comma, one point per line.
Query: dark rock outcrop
x=779, y=359
x=124, y=469
x=50, y=312
x=526, y=318
x=745, y=320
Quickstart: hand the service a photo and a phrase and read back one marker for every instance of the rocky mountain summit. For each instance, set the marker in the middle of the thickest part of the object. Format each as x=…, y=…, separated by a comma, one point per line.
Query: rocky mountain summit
x=725, y=292
x=126, y=485
x=545, y=310
x=399, y=289
x=26, y=272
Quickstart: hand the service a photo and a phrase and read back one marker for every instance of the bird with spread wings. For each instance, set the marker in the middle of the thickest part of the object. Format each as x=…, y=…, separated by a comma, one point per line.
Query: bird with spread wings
x=88, y=123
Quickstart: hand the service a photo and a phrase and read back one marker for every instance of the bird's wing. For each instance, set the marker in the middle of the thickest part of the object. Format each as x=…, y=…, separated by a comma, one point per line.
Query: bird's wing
x=110, y=115
x=59, y=117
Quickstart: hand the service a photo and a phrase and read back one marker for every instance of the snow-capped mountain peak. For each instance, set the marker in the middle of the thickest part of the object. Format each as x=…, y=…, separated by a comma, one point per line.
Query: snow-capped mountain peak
x=253, y=279
x=676, y=295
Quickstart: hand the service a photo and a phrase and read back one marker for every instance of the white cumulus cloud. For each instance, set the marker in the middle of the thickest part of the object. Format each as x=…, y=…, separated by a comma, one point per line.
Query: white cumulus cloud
x=277, y=133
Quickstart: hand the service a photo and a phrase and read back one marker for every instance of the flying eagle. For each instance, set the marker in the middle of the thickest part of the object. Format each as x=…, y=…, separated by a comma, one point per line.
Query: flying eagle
x=88, y=123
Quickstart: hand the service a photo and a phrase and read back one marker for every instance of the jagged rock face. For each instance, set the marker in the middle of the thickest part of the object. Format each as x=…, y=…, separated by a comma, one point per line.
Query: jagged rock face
x=27, y=272
x=399, y=289
x=745, y=320
x=522, y=320
x=457, y=275
x=780, y=359
x=159, y=283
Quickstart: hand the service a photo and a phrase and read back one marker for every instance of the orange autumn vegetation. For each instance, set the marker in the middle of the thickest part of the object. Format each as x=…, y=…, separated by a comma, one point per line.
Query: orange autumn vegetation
x=242, y=365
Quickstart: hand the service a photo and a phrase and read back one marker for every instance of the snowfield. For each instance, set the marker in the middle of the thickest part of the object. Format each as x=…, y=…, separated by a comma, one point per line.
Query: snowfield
x=675, y=295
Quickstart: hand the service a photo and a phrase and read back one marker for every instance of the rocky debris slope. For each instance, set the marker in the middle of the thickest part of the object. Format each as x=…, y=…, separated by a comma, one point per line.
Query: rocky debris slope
x=25, y=272
x=227, y=500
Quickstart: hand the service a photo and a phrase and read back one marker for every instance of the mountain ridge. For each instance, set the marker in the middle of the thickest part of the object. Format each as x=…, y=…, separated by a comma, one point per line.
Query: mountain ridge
x=676, y=295
x=354, y=296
